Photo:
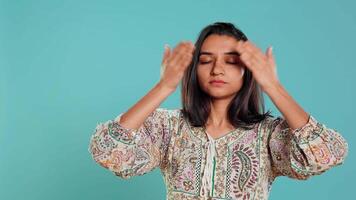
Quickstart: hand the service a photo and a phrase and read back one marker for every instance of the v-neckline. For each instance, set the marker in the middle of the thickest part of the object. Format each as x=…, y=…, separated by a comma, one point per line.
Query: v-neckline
x=197, y=131
x=220, y=137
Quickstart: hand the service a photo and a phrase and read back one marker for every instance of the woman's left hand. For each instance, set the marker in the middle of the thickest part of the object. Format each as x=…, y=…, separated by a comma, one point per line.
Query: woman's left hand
x=262, y=65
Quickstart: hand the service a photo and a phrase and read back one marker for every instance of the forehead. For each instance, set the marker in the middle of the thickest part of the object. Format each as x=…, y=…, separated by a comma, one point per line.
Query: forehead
x=218, y=44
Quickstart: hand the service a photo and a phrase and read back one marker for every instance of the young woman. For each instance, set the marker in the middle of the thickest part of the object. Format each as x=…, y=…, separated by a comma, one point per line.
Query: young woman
x=220, y=144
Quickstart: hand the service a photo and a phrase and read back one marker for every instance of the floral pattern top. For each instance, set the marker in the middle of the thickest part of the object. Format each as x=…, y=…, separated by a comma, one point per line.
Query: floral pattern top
x=241, y=164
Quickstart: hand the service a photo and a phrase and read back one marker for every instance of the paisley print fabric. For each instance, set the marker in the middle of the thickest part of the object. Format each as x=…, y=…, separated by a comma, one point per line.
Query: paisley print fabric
x=243, y=166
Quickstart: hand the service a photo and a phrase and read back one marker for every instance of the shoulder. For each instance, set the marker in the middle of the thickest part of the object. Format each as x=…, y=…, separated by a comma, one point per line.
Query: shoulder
x=167, y=112
x=271, y=122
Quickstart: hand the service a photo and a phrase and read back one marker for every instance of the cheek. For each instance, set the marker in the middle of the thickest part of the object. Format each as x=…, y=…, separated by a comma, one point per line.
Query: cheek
x=241, y=71
x=237, y=72
x=236, y=77
x=203, y=73
x=202, y=76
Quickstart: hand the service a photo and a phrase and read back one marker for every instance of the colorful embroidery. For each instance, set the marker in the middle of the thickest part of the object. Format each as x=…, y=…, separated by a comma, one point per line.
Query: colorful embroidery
x=246, y=161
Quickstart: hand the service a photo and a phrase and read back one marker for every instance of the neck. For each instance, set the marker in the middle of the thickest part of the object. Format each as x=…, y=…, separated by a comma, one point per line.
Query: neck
x=218, y=113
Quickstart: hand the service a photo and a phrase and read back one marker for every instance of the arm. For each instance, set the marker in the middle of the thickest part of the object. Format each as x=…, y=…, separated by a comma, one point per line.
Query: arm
x=299, y=146
x=306, y=151
x=172, y=69
x=295, y=116
x=137, y=140
x=136, y=115
x=128, y=152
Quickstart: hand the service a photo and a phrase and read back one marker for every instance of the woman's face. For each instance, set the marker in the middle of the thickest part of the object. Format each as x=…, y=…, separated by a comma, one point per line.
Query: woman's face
x=218, y=60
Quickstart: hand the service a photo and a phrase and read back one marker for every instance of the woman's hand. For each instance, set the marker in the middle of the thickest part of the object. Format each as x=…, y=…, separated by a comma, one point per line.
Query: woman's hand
x=174, y=63
x=263, y=68
x=262, y=65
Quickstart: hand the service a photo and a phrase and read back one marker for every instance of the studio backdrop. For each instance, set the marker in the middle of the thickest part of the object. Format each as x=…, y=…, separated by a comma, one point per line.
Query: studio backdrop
x=66, y=66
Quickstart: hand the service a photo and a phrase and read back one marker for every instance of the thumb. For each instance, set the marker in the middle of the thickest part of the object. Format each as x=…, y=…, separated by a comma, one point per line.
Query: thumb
x=166, y=54
x=269, y=54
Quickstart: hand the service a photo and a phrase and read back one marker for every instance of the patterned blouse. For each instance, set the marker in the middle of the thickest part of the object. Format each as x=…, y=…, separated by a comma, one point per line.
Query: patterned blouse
x=241, y=164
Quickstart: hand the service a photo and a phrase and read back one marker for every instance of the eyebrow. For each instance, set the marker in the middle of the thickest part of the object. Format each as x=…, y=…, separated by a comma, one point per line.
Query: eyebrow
x=226, y=53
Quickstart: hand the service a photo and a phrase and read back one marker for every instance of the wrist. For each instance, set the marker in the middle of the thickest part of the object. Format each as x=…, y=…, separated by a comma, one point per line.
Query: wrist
x=161, y=86
x=272, y=87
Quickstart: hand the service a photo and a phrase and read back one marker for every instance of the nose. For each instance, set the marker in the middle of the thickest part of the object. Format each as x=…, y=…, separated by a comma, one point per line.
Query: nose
x=217, y=68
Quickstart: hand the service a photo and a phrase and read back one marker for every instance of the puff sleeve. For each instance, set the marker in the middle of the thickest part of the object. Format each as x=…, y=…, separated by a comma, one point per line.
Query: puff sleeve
x=306, y=151
x=131, y=152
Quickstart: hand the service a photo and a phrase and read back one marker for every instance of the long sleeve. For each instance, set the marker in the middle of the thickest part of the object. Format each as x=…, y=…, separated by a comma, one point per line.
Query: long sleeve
x=309, y=150
x=130, y=152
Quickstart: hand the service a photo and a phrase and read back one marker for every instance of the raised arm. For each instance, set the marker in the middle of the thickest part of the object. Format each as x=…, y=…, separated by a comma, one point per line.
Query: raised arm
x=136, y=141
x=130, y=152
x=299, y=145
x=172, y=69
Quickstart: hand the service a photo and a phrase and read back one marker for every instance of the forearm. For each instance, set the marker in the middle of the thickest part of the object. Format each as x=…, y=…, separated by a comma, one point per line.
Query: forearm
x=134, y=117
x=294, y=114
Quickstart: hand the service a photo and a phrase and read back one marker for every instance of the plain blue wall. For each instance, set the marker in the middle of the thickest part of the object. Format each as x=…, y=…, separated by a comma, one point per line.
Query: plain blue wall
x=67, y=65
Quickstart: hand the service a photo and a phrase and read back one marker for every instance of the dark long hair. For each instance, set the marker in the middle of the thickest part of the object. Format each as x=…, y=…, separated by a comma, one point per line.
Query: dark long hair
x=245, y=109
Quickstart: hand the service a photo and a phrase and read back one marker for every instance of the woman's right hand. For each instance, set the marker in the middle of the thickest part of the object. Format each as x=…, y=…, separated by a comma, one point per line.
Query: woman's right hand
x=174, y=63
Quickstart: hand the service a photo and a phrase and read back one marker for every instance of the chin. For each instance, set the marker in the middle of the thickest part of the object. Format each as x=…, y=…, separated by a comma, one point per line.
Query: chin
x=227, y=96
x=213, y=93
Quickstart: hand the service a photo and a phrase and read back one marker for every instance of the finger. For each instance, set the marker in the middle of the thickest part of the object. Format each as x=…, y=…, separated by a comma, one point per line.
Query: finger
x=177, y=48
x=186, y=60
x=245, y=57
x=249, y=50
x=255, y=63
x=166, y=53
x=182, y=59
x=176, y=59
x=254, y=49
x=241, y=48
x=269, y=54
x=187, y=47
x=191, y=46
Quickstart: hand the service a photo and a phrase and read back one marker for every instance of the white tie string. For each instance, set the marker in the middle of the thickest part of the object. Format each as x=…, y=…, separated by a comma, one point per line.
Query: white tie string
x=208, y=170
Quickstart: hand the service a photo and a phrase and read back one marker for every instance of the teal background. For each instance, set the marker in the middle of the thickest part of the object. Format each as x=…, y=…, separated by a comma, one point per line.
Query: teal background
x=67, y=65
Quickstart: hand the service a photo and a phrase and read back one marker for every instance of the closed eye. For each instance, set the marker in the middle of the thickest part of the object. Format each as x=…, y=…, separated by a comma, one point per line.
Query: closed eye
x=233, y=63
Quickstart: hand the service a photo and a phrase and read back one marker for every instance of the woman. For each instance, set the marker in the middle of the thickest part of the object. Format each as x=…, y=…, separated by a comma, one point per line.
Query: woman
x=221, y=144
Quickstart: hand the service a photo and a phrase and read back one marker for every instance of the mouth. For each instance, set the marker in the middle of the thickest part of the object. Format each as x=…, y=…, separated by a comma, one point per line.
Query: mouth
x=217, y=83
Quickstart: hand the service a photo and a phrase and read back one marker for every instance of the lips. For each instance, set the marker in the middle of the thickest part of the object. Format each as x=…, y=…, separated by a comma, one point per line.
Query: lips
x=217, y=81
